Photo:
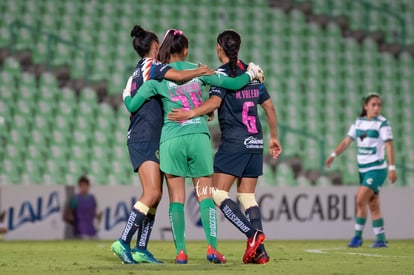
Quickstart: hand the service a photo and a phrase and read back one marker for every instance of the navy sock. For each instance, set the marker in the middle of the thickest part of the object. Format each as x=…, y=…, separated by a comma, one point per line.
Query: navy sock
x=254, y=216
x=232, y=212
x=144, y=232
x=135, y=220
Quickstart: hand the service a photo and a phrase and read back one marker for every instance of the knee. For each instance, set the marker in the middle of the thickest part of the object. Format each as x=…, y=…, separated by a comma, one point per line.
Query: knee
x=156, y=196
x=219, y=196
x=374, y=207
x=361, y=202
x=153, y=197
x=247, y=200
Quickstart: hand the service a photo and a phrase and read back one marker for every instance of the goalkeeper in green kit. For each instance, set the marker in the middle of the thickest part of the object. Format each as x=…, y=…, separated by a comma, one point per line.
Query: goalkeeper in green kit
x=185, y=148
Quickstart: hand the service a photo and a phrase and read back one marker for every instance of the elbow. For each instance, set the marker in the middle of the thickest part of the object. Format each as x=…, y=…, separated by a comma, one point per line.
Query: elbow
x=129, y=109
x=180, y=78
x=215, y=106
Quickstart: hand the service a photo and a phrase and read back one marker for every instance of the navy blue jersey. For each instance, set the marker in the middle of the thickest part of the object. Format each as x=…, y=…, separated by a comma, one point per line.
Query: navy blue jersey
x=240, y=126
x=146, y=123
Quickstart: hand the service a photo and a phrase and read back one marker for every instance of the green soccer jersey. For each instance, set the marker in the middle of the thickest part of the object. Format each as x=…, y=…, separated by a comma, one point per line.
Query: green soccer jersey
x=186, y=96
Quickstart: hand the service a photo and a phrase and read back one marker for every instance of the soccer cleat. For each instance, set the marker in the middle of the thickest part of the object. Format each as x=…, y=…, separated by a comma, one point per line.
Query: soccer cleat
x=252, y=245
x=123, y=252
x=355, y=242
x=181, y=258
x=214, y=256
x=261, y=258
x=144, y=256
x=379, y=244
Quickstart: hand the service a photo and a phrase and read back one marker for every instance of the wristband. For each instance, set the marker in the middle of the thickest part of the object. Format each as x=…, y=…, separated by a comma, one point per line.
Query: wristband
x=391, y=168
x=333, y=154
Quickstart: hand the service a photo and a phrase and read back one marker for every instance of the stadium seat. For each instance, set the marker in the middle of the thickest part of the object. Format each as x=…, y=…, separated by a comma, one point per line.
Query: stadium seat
x=316, y=77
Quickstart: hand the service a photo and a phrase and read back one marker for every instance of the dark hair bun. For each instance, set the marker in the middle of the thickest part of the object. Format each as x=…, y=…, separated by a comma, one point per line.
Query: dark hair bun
x=137, y=31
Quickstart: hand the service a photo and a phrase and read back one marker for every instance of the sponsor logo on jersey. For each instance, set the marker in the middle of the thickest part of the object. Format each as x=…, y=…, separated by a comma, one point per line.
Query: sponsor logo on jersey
x=196, y=120
x=252, y=142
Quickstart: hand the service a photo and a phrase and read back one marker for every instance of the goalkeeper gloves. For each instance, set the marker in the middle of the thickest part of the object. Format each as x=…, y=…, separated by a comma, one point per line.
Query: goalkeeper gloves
x=255, y=72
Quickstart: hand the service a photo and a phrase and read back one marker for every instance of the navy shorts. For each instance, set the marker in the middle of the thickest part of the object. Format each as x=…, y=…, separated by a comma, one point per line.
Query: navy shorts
x=241, y=165
x=141, y=152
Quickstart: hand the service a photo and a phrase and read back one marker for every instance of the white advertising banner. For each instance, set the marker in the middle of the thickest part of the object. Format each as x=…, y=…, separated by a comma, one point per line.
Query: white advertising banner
x=33, y=212
x=300, y=213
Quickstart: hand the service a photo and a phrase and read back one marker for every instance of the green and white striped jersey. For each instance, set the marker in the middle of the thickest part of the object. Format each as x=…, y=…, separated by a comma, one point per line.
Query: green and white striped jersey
x=371, y=134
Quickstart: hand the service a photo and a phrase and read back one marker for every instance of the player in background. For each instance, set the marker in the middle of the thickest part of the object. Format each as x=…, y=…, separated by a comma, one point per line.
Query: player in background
x=143, y=144
x=185, y=149
x=81, y=211
x=240, y=154
x=372, y=131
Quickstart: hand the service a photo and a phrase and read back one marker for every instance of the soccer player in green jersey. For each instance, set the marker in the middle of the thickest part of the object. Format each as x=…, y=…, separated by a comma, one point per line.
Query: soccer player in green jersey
x=373, y=134
x=185, y=148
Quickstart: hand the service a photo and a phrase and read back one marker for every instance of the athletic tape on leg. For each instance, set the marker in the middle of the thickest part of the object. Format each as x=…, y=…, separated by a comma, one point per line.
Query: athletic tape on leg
x=219, y=196
x=247, y=200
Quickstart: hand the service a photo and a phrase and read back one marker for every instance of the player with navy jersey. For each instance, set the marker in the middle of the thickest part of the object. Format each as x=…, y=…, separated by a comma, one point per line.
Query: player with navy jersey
x=143, y=145
x=240, y=154
x=373, y=134
x=185, y=149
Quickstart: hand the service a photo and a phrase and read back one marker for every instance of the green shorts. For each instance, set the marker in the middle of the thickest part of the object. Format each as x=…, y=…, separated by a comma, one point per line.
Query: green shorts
x=373, y=179
x=188, y=156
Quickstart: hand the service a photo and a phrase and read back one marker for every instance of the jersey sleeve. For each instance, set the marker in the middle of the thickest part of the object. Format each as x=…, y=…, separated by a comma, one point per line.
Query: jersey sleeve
x=147, y=90
x=226, y=82
x=385, y=131
x=217, y=91
x=263, y=94
x=352, y=132
x=152, y=69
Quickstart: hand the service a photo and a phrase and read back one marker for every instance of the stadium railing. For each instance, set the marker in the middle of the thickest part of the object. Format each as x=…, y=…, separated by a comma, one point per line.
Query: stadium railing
x=52, y=41
x=285, y=129
x=368, y=8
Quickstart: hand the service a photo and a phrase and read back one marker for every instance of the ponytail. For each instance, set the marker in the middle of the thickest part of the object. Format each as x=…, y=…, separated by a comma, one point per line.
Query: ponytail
x=174, y=42
x=230, y=41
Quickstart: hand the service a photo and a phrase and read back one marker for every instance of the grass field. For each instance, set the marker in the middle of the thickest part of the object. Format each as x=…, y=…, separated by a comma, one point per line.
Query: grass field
x=287, y=257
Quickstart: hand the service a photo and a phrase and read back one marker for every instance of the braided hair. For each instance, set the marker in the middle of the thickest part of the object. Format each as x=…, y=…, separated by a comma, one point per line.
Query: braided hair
x=230, y=41
x=142, y=40
x=174, y=42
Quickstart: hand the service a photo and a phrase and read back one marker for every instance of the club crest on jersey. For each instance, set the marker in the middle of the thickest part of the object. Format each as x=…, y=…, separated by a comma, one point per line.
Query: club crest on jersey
x=363, y=136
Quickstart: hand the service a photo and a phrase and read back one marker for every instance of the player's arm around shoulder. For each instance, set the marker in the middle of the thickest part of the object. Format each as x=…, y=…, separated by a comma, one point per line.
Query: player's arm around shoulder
x=148, y=89
x=204, y=109
x=226, y=82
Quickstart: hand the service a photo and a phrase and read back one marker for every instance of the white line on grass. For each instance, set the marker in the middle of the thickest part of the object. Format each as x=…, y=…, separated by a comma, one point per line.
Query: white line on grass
x=333, y=249
x=323, y=250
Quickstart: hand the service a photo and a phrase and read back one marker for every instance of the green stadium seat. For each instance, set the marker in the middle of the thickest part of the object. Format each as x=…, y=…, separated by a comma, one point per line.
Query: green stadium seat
x=75, y=168
x=323, y=181
x=57, y=154
x=48, y=80
x=11, y=66
x=12, y=171
x=32, y=172
x=284, y=175
x=305, y=66
x=303, y=181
